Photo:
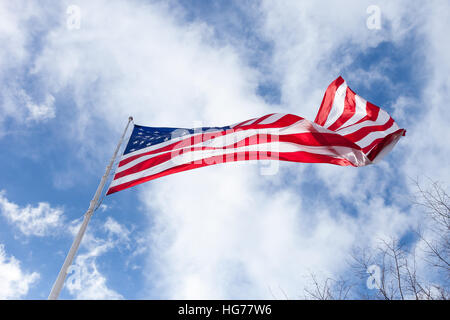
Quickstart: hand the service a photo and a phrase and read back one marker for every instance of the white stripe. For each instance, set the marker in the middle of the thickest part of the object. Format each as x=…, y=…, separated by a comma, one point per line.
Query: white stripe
x=382, y=118
x=216, y=142
x=273, y=118
x=338, y=152
x=300, y=126
x=338, y=105
x=386, y=149
x=367, y=140
x=360, y=111
x=252, y=121
x=177, y=139
x=357, y=157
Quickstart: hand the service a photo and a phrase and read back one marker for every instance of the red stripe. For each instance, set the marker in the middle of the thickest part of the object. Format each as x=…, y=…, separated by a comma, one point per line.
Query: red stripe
x=201, y=137
x=371, y=114
x=254, y=120
x=262, y=118
x=372, y=111
x=285, y=121
x=349, y=110
x=316, y=139
x=364, y=131
x=327, y=101
x=299, y=156
x=240, y=123
x=381, y=143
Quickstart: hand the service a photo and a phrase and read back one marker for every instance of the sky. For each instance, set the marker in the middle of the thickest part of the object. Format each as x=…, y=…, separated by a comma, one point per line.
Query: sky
x=71, y=72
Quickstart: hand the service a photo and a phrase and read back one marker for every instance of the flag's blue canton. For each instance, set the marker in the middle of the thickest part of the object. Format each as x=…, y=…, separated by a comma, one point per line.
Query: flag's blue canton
x=143, y=137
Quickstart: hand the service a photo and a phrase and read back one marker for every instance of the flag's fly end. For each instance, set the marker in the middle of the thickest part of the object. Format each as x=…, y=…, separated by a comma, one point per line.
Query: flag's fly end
x=359, y=121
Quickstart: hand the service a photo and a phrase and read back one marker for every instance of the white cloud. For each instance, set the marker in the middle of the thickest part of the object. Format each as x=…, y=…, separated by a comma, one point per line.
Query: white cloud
x=14, y=282
x=41, y=220
x=174, y=70
x=313, y=42
x=116, y=229
x=12, y=34
x=85, y=281
x=427, y=144
x=243, y=239
x=16, y=34
x=39, y=111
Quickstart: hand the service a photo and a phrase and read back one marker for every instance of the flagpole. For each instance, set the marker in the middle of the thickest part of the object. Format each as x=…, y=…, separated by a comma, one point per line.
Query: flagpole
x=57, y=286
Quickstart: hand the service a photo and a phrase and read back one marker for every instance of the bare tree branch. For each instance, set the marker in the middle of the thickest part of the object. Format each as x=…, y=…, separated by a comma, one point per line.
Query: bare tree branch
x=397, y=264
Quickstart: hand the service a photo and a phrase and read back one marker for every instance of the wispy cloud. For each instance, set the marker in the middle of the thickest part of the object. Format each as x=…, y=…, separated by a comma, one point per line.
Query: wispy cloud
x=16, y=103
x=40, y=220
x=14, y=282
x=85, y=281
x=39, y=111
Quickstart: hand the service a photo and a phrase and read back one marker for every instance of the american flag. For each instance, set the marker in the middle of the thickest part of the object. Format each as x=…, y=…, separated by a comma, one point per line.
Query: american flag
x=347, y=131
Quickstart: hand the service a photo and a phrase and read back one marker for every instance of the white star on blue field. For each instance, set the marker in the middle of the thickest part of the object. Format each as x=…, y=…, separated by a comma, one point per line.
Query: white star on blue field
x=70, y=78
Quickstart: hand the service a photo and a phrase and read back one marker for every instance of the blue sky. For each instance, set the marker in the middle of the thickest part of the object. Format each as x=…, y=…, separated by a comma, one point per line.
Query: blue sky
x=225, y=231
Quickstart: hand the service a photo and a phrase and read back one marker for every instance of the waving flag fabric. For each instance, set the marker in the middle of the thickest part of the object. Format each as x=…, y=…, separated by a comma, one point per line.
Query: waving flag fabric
x=348, y=131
